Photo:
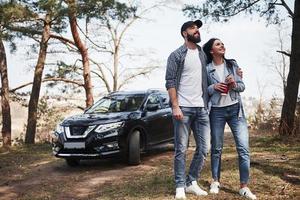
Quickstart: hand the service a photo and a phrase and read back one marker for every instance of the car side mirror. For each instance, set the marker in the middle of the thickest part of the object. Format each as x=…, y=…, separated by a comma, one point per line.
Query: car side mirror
x=152, y=107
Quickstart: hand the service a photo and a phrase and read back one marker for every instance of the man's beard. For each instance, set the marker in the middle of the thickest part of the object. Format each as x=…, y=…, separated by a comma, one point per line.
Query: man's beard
x=193, y=39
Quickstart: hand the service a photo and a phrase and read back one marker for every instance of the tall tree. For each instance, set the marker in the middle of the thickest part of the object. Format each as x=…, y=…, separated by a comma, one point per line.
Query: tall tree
x=9, y=13
x=43, y=15
x=37, y=80
x=6, y=117
x=222, y=10
x=72, y=14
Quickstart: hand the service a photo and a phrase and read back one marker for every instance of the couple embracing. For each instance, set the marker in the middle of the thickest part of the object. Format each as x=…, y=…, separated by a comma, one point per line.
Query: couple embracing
x=204, y=89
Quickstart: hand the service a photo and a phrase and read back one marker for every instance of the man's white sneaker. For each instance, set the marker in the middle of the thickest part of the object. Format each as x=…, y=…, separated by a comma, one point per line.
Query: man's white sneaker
x=214, y=187
x=195, y=189
x=245, y=192
x=180, y=194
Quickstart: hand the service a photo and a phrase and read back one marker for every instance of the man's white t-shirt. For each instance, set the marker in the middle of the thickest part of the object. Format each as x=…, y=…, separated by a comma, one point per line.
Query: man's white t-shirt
x=225, y=99
x=190, y=86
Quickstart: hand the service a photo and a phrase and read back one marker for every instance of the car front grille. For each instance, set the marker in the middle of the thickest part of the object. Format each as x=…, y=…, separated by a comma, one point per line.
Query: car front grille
x=77, y=130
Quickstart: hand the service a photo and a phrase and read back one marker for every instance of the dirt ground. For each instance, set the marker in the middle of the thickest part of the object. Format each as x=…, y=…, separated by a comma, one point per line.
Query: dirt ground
x=54, y=176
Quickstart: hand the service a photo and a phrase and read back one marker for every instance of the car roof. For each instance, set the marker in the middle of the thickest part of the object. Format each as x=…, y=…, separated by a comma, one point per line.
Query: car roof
x=142, y=92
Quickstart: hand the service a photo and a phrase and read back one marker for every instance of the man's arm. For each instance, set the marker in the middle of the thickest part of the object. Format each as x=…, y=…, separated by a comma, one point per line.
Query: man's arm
x=172, y=67
x=239, y=72
x=239, y=85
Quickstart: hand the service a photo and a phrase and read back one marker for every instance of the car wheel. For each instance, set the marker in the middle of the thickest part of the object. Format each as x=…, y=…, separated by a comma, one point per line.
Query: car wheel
x=72, y=162
x=134, y=148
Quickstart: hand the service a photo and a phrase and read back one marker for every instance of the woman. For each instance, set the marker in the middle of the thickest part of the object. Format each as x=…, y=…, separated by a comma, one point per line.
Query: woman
x=224, y=90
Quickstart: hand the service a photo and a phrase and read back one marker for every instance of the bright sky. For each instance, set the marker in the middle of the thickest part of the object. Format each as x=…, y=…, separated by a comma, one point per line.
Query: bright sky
x=250, y=42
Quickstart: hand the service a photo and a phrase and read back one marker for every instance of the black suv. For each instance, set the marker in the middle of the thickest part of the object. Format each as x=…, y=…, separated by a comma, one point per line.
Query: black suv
x=123, y=123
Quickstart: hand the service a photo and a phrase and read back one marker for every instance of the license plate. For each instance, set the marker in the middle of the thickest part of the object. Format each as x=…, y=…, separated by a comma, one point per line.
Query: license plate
x=74, y=145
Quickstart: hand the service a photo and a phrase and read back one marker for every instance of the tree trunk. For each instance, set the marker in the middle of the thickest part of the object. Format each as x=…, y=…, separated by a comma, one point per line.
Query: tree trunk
x=37, y=80
x=6, y=117
x=83, y=51
x=116, y=68
x=287, y=124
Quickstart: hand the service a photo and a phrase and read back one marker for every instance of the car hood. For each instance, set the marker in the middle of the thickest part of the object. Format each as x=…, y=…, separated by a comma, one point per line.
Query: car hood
x=94, y=119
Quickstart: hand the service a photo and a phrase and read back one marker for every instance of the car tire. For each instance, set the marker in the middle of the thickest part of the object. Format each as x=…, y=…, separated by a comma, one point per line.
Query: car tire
x=72, y=162
x=134, y=151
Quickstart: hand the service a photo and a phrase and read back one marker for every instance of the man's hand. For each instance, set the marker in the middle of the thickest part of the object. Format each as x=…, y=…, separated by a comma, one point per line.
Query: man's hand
x=177, y=113
x=239, y=72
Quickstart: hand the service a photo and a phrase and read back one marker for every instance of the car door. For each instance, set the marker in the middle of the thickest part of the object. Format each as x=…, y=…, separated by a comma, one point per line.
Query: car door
x=154, y=119
x=168, y=121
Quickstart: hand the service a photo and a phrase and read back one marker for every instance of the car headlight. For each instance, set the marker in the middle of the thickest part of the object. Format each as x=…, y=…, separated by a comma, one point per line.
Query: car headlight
x=59, y=129
x=107, y=127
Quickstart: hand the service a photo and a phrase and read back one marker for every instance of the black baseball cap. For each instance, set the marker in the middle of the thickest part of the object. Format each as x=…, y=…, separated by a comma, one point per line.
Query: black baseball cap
x=188, y=24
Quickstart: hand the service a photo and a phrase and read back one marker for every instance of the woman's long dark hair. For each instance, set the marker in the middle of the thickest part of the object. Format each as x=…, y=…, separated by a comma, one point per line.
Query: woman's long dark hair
x=207, y=48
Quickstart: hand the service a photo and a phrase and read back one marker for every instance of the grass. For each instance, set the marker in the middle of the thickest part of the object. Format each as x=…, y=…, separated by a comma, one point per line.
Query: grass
x=275, y=170
x=17, y=161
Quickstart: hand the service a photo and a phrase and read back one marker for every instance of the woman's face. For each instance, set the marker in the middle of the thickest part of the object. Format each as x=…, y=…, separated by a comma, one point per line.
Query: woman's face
x=217, y=48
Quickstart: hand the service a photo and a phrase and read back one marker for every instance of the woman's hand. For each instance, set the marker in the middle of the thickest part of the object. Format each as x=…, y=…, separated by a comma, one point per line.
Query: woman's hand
x=230, y=81
x=221, y=87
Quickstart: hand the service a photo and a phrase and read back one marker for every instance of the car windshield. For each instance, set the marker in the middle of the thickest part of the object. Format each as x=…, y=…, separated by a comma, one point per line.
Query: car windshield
x=117, y=103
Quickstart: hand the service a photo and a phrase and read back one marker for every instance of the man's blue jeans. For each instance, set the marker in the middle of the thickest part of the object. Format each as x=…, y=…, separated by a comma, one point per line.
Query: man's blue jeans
x=218, y=117
x=197, y=119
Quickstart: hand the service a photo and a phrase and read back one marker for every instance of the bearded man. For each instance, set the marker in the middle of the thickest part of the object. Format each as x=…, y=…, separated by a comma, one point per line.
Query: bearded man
x=186, y=82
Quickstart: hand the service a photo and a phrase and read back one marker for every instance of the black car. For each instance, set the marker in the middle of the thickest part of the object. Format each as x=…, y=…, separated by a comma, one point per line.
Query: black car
x=121, y=123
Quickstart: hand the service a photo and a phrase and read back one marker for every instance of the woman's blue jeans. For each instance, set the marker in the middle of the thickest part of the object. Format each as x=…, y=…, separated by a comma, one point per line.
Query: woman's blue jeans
x=197, y=119
x=219, y=116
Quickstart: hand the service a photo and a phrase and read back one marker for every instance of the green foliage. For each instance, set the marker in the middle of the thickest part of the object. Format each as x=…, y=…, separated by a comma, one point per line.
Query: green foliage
x=103, y=9
x=12, y=12
x=66, y=71
x=56, y=9
x=48, y=116
x=63, y=71
x=23, y=18
x=222, y=10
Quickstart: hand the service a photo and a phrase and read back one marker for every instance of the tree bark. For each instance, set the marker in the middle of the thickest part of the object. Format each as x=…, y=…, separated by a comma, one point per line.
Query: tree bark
x=83, y=51
x=6, y=117
x=287, y=124
x=37, y=81
x=116, y=68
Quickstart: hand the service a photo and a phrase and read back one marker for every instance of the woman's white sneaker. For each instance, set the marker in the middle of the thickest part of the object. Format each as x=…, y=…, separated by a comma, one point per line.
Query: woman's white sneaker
x=214, y=187
x=245, y=192
x=180, y=194
x=195, y=189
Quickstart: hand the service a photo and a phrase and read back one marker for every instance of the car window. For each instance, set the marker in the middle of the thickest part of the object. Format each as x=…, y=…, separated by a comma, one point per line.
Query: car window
x=117, y=103
x=165, y=100
x=154, y=100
